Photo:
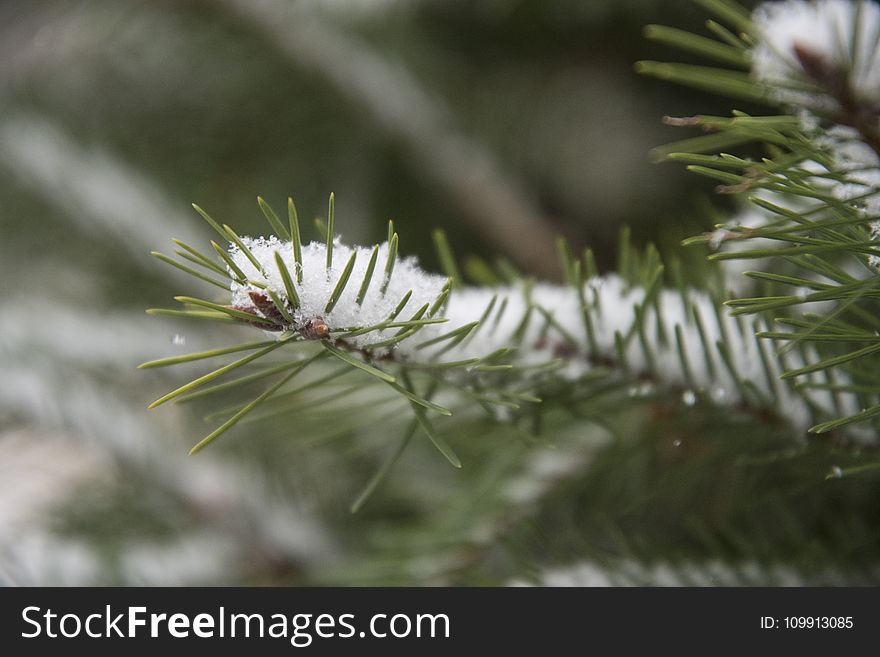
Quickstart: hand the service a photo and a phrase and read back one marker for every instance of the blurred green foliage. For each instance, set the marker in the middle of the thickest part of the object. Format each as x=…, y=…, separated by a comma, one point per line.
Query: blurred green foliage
x=201, y=105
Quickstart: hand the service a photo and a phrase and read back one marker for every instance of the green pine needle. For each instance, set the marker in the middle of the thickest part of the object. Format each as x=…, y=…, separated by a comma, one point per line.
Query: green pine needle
x=237, y=382
x=409, y=394
x=232, y=312
x=207, y=378
x=442, y=446
x=211, y=222
x=382, y=473
x=401, y=305
x=832, y=362
x=199, y=258
x=188, y=358
x=341, y=283
x=721, y=52
x=295, y=238
x=389, y=263
x=243, y=247
x=331, y=229
x=224, y=256
x=231, y=422
x=290, y=290
x=191, y=314
x=460, y=333
x=189, y=270
x=356, y=362
x=368, y=277
x=277, y=226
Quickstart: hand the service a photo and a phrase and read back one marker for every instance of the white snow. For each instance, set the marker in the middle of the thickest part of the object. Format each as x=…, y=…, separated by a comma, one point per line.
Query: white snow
x=842, y=34
x=612, y=302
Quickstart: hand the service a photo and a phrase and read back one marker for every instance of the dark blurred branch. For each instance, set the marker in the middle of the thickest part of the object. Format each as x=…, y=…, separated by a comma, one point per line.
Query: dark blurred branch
x=492, y=204
x=99, y=193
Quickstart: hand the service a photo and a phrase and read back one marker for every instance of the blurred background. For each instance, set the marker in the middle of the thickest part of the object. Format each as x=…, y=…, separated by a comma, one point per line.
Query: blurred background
x=505, y=122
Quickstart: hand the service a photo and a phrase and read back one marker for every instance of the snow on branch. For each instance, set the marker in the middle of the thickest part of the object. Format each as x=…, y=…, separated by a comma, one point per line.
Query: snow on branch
x=829, y=43
x=384, y=314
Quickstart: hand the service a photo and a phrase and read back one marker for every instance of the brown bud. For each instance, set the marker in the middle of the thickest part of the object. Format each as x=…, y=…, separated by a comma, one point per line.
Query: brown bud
x=314, y=329
x=266, y=306
x=816, y=66
x=252, y=311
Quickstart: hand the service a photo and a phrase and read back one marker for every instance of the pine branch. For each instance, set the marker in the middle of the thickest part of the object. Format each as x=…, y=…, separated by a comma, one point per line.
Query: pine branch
x=500, y=348
x=817, y=191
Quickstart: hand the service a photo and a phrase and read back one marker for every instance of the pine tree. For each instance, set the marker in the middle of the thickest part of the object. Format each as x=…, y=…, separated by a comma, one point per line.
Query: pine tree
x=497, y=358
x=702, y=414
